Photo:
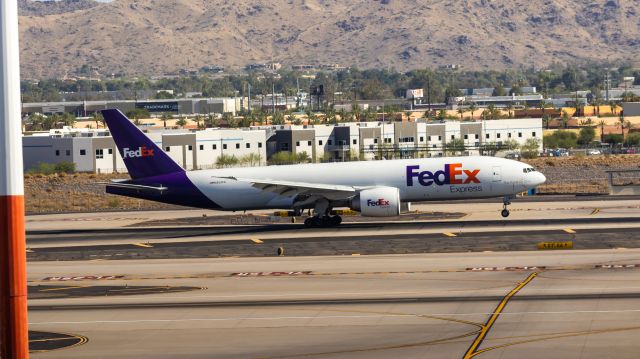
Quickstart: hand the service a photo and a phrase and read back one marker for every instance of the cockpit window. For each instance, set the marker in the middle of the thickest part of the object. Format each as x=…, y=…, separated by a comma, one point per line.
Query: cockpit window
x=528, y=169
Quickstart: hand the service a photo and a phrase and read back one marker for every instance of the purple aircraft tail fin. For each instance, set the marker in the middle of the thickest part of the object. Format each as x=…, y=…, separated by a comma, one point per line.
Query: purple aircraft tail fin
x=142, y=157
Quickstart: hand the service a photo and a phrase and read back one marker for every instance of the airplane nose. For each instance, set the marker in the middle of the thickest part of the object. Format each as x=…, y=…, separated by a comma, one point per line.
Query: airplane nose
x=540, y=178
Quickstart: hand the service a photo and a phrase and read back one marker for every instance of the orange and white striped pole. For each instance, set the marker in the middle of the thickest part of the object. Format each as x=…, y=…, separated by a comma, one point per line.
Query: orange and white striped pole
x=14, y=335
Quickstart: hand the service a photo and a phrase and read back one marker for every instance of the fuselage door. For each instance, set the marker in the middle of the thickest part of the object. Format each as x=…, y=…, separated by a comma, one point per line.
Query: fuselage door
x=497, y=175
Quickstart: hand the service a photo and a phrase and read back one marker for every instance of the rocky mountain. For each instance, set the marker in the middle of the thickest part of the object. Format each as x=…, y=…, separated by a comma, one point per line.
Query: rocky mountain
x=51, y=7
x=162, y=36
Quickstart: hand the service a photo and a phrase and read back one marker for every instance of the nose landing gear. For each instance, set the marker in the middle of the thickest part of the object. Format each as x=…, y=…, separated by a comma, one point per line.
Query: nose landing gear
x=506, y=201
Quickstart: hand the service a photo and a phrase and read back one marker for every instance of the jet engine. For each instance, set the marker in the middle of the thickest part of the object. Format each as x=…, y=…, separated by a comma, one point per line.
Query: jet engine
x=377, y=202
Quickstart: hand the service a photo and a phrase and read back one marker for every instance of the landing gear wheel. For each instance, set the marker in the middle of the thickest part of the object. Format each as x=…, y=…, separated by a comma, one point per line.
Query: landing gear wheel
x=309, y=222
x=505, y=213
x=335, y=220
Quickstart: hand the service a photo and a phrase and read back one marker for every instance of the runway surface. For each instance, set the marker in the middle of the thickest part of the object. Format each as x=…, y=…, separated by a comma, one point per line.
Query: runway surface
x=582, y=304
x=466, y=288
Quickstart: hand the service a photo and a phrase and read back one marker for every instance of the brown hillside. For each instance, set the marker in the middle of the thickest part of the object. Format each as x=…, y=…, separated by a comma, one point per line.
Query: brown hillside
x=161, y=36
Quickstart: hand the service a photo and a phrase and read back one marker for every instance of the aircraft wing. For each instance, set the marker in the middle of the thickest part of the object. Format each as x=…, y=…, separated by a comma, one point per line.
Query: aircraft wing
x=288, y=188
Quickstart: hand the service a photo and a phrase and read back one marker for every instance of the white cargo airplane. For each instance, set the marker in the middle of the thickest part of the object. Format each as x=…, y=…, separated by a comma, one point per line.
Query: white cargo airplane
x=374, y=188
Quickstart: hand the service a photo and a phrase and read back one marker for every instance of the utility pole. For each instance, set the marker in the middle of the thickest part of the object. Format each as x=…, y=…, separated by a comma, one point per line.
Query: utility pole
x=607, y=84
x=14, y=335
x=273, y=97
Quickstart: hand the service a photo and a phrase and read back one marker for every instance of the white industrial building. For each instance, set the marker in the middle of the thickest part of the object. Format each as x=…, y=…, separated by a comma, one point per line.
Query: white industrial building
x=95, y=151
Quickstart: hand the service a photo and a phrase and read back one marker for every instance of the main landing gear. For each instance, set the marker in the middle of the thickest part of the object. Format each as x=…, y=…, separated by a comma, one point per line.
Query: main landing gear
x=506, y=200
x=322, y=217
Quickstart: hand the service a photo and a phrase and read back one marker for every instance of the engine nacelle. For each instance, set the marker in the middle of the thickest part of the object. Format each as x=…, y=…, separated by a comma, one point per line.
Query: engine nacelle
x=377, y=202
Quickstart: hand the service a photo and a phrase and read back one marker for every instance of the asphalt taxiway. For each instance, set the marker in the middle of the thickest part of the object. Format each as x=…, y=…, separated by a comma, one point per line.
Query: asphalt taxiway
x=470, y=287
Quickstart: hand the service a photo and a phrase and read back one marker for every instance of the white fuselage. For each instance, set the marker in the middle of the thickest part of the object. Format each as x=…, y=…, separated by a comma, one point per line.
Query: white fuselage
x=445, y=178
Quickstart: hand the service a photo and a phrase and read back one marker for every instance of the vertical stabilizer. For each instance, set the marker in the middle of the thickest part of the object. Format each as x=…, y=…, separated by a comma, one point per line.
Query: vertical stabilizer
x=142, y=157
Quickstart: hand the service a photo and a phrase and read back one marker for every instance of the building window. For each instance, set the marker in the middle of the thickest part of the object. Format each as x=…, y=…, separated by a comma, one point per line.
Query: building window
x=224, y=146
x=237, y=145
x=533, y=134
x=214, y=147
x=498, y=136
x=329, y=142
x=421, y=139
x=99, y=153
x=320, y=142
x=375, y=140
x=439, y=138
x=190, y=148
x=297, y=143
x=308, y=143
x=68, y=152
x=248, y=145
x=259, y=144
x=466, y=137
x=284, y=146
x=83, y=152
x=57, y=152
x=355, y=142
x=111, y=151
x=519, y=134
x=486, y=135
x=167, y=149
x=509, y=134
x=453, y=137
x=477, y=136
x=201, y=147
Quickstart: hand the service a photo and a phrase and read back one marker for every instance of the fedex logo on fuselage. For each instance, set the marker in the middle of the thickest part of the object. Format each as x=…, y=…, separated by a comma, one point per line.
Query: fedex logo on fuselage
x=453, y=173
x=140, y=152
x=377, y=203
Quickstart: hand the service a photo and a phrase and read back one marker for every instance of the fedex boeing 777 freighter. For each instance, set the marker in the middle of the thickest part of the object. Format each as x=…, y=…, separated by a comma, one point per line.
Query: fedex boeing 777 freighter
x=374, y=188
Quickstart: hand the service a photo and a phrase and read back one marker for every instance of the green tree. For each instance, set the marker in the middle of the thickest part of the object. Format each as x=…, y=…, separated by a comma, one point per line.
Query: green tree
x=530, y=148
x=586, y=136
x=472, y=108
x=455, y=146
x=251, y=159
x=613, y=139
x=138, y=113
x=510, y=145
x=633, y=139
x=226, y=161
x=181, y=122
x=561, y=139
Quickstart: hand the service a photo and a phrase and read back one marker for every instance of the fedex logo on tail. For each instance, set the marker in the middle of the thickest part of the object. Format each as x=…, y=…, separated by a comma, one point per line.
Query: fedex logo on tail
x=140, y=152
x=453, y=173
x=377, y=203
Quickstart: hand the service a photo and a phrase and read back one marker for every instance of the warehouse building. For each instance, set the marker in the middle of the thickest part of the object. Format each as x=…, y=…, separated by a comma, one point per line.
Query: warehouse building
x=183, y=106
x=95, y=151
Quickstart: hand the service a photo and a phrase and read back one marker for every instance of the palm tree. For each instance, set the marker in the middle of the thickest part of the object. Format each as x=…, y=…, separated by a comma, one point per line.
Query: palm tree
x=461, y=112
x=165, y=117
x=613, y=106
x=622, y=125
x=601, y=123
x=546, y=119
x=564, y=120
x=543, y=105
x=181, y=122
x=509, y=108
x=98, y=119
x=472, y=108
x=197, y=120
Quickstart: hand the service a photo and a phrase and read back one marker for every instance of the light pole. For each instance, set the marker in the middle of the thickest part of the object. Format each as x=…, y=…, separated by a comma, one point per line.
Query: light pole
x=14, y=336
